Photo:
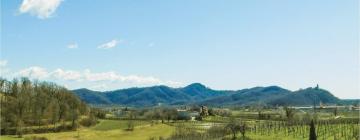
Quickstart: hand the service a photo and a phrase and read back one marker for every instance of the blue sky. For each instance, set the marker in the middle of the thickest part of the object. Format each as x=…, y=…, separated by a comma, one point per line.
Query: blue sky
x=233, y=44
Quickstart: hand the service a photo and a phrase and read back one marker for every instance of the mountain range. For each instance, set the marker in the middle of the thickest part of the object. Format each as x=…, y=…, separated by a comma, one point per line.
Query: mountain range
x=197, y=93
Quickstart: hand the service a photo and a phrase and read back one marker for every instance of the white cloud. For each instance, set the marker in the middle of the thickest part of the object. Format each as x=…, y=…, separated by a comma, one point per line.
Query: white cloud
x=103, y=76
x=40, y=8
x=33, y=72
x=72, y=46
x=109, y=45
x=86, y=76
x=66, y=75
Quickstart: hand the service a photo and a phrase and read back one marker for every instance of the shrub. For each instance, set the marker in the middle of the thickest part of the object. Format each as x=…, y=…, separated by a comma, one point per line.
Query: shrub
x=183, y=116
x=36, y=138
x=220, y=112
x=198, y=118
x=88, y=121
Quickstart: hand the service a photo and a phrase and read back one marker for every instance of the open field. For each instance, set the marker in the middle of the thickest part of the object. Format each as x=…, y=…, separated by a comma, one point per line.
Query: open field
x=105, y=125
x=107, y=129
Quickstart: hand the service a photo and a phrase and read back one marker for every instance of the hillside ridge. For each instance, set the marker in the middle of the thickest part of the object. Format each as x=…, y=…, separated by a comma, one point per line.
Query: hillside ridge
x=197, y=93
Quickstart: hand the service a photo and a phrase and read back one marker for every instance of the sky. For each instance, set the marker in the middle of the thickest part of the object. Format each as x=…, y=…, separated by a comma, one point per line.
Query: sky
x=233, y=44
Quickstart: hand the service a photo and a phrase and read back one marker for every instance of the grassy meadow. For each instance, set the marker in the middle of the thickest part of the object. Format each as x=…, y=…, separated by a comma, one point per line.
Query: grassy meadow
x=107, y=129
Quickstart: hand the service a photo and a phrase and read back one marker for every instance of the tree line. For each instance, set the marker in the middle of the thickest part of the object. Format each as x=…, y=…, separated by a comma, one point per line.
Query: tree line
x=25, y=103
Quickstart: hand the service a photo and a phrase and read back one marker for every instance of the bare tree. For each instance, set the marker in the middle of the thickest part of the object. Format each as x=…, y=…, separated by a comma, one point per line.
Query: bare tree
x=235, y=127
x=289, y=112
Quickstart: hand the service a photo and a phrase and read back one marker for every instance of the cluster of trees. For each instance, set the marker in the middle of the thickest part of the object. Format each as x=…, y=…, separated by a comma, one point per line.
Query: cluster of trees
x=166, y=114
x=161, y=114
x=33, y=103
x=151, y=114
x=219, y=112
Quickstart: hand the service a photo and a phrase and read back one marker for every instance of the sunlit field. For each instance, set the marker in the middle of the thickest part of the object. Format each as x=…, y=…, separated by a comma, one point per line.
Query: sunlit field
x=109, y=130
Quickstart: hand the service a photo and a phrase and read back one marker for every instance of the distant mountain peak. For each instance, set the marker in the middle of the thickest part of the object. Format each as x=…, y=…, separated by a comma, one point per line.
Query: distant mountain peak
x=82, y=89
x=274, y=88
x=196, y=86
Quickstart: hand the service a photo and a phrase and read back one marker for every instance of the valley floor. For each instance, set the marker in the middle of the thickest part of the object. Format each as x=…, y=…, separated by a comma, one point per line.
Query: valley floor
x=144, y=130
x=106, y=129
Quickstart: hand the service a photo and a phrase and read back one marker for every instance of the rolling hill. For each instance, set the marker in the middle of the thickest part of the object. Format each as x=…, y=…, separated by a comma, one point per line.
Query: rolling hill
x=149, y=96
x=197, y=93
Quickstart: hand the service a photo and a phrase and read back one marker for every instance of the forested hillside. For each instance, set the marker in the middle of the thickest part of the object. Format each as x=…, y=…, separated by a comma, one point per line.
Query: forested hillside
x=26, y=103
x=150, y=96
x=199, y=94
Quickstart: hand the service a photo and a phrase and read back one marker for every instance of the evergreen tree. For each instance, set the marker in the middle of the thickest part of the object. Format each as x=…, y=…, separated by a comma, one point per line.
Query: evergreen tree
x=312, y=135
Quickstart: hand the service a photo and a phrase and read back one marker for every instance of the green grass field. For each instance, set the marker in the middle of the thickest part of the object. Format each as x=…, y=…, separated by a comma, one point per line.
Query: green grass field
x=109, y=130
x=105, y=125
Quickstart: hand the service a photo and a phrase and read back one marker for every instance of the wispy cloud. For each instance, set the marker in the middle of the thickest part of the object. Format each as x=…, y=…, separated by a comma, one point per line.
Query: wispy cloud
x=87, y=75
x=72, y=46
x=33, y=72
x=72, y=79
x=41, y=8
x=108, y=45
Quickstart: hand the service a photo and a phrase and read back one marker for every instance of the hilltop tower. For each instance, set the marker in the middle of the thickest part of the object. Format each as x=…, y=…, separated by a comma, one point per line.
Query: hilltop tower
x=317, y=86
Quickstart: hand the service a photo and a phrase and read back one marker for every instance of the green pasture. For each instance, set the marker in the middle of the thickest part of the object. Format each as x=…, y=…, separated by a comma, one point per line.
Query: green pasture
x=107, y=130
